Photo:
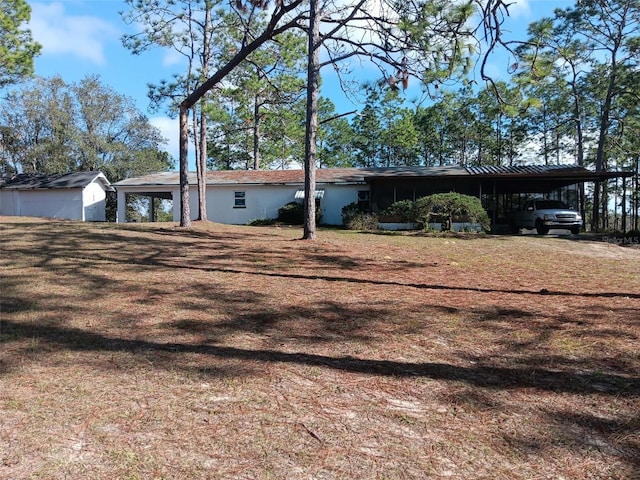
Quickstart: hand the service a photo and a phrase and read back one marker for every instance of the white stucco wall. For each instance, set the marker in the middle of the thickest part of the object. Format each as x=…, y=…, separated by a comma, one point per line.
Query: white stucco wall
x=63, y=204
x=336, y=197
x=94, y=199
x=9, y=204
x=263, y=201
x=67, y=203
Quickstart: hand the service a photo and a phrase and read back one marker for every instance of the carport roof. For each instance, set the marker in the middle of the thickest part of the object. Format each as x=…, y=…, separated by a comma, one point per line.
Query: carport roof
x=563, y=173
x=548, y=171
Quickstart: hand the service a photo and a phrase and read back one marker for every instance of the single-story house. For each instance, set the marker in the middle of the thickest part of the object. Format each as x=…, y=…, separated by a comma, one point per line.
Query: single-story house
x=240, y=196
x=74, y=196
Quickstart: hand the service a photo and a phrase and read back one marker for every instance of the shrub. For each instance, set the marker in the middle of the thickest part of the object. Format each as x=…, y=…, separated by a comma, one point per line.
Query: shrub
x=293, y=214
x=405, y=209
x=450, y=207
x=262, y=222
x=355, y=217
x=362, y=221
x=349, y=211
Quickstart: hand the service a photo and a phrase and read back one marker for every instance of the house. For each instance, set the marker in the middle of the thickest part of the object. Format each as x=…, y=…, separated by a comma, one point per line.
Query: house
x=74, y=196
x=239, y=196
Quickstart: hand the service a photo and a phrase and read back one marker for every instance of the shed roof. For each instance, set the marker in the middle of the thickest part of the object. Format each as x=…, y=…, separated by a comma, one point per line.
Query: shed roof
x=26, y=181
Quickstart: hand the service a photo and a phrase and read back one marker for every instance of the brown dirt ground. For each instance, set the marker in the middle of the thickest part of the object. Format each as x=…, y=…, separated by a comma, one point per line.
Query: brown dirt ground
x=152, y=352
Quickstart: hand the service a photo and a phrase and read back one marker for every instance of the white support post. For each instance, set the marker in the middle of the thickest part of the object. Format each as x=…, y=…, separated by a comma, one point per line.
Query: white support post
x=121, y=216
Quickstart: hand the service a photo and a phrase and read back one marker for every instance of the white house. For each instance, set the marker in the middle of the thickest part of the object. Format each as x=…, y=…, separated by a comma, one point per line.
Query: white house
x=240, y=196
x=75, y=196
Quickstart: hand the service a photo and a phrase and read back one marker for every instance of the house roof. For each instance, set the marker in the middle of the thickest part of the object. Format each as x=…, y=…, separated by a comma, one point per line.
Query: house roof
x=25, y=181
x=249, y=177
x=364, y=175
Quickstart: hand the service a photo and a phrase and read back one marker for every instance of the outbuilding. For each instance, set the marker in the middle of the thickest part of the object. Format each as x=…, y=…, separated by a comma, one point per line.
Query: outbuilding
x=74, y=196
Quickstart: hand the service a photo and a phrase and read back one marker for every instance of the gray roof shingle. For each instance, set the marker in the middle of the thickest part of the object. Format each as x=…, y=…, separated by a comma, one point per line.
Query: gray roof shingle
x=25, y=181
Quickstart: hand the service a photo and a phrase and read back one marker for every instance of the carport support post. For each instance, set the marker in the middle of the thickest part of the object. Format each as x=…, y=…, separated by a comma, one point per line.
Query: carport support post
x=495, y=205
x=121, y=216
x=152, y=208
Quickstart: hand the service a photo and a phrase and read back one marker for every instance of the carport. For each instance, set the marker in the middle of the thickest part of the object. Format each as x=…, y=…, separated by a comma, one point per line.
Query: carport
x=500, y=189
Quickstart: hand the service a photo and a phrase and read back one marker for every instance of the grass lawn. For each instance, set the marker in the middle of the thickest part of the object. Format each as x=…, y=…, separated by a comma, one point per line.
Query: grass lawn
x=151, y=352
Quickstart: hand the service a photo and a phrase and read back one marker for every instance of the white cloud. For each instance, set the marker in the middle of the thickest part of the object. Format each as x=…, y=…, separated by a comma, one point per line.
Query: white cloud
x=171, y=58
x=60, y=33
x=170, y=129
x=520, y=9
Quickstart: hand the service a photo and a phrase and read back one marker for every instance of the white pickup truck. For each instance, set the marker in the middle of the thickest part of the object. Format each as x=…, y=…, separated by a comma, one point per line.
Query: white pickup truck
x=544, y=215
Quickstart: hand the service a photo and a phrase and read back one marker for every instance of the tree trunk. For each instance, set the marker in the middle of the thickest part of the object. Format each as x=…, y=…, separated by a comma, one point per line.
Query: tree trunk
x=185, y=214
x=636, y=193
x=201, y=157
x=313, y=75
x=202, y=160
x=623, y=200
x=580, y=146
x=602, y=137
x=270, y=32
x=196, y=146
x=256, y=133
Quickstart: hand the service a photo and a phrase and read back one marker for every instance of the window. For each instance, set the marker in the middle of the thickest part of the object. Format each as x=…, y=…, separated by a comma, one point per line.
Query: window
x=363, y=199
x=239, y=200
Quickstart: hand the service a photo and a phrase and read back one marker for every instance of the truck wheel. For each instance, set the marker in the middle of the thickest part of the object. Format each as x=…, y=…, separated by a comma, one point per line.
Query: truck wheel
x=540, y=228
x=575, y=230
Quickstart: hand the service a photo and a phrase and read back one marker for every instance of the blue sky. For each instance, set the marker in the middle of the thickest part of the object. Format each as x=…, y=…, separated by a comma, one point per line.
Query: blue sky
x=83, y=37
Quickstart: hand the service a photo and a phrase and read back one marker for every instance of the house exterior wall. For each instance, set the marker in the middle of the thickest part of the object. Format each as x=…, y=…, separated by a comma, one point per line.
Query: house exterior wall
x=9, y=203
x=87, y=203
x=260, y=201
x=263, y=201
x=336, y=197
x=94, y=203
x=63, y=204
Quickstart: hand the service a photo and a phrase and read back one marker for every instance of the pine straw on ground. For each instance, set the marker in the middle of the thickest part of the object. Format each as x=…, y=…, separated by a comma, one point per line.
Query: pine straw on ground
x=152, y=352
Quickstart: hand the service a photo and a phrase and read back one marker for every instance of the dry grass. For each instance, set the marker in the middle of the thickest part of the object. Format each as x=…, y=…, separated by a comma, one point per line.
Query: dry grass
x=148, y=352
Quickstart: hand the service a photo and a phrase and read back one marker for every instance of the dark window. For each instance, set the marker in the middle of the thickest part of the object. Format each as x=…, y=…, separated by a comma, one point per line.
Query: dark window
x=363, y=199
x=239, y=200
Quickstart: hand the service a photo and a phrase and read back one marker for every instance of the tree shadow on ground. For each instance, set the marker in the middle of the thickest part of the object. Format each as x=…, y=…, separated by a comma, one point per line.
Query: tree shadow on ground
x=219, y=253
x=477, y=375
x=200, y=339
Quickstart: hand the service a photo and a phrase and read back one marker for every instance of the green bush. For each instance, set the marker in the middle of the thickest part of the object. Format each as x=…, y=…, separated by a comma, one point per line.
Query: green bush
x=405, y=209
x=262, y=222
x=293, y=214
x=349, y=211
x=451, y=207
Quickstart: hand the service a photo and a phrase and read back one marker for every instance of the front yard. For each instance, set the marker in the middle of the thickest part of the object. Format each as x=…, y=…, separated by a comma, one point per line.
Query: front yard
x=150, y=352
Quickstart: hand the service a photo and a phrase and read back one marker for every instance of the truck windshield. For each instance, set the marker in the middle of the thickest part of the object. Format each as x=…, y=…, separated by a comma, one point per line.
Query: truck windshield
x=550, y=204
